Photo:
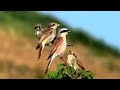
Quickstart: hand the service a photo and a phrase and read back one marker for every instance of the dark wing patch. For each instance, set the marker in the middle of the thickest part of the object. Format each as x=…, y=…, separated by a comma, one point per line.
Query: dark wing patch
x=80, y=64
x=38, y=45
x=52, y=52
x=40, y=51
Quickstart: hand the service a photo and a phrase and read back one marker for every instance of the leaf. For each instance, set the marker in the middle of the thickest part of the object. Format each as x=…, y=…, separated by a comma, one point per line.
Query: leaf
x=52, y=75
x=70, y=69
x=89, y=77
x=66, y=72
x=82, y=73
x=89, y=73
x=60, y=67
x=59, y=76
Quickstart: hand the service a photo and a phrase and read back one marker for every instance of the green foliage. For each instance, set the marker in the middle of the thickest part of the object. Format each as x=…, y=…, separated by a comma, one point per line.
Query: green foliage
x=67, y=72
x=13, y=71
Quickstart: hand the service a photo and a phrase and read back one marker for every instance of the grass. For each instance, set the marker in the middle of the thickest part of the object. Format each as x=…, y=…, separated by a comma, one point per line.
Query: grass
x=19, y=71
x=112, y=65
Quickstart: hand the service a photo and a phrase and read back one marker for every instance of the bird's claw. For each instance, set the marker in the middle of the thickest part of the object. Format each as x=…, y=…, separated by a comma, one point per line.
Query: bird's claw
x=69, y=45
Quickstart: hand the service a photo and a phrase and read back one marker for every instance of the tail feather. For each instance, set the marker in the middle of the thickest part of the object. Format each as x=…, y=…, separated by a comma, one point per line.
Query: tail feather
x=49, y=63
x=47, y=66
x=49, y=57
x=38, y=45
x=40, y=51
x=83, y=68
x=51, y=54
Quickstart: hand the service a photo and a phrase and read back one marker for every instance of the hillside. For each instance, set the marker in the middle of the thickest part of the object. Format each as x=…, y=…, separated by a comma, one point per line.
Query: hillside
x=18, y=58
x=23, y=23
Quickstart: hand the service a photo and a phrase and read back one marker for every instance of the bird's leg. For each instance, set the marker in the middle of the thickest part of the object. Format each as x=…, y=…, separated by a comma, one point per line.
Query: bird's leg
x=63, y=60
x=50, y=44
x=69, y=44
x=47, y=44
x=39, y=45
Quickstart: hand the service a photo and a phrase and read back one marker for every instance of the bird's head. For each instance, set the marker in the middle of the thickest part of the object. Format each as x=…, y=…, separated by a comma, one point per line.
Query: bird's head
x=38, y=27
x=72, y=55
x=63, y=31
x=53, y=25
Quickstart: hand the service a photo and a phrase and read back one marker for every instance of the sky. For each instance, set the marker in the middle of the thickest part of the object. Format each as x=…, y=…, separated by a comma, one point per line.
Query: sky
x=100, y=24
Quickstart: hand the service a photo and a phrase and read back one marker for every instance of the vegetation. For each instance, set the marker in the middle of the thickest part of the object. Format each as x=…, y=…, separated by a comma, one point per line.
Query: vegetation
x=11, y=70
x=23, y=23
x=112, y=65
x=67, y=72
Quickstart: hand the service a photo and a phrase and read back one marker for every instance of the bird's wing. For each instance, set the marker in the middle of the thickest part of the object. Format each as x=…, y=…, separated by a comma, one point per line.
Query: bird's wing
x=53, y=39
x=45, y=34
x=79, y=63
x=55, y=45
x=38, y=45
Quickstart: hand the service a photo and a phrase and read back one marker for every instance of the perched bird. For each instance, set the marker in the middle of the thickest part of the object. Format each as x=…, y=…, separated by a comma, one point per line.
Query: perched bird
x=73, y=61
x=38, y=31
x=59, y=47
x=47, y=37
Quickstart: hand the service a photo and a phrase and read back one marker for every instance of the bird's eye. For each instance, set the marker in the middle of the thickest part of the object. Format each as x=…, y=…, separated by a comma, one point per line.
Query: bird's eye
x=35, y=27
x=53, y=24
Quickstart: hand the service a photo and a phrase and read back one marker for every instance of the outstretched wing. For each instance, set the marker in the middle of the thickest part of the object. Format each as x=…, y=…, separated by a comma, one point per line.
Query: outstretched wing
x=55, y=45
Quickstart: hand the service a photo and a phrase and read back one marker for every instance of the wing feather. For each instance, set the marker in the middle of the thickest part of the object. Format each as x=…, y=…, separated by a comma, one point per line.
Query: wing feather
x=79, y=63
x=40, y=51
x=55, y=45
x=46, y=33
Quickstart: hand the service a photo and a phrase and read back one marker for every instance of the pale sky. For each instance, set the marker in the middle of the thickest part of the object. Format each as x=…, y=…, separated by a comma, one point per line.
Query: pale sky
x=101, y=24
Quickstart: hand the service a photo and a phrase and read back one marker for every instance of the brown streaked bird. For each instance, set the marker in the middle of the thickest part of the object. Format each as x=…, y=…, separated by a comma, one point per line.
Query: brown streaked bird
x=47, y=37
x=74, y=62
x=59, y=47
x=38, y=31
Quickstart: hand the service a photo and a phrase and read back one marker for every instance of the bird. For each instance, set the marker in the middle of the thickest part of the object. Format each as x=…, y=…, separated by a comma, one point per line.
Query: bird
x=73, y=61
x=47, y=37
x=38, y=31
x=58, y=47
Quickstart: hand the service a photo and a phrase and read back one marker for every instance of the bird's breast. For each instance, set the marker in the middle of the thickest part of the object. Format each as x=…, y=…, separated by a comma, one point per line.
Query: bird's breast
x=52, y=38
x=49, y=39
x=38, y=34
x=61, y=49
